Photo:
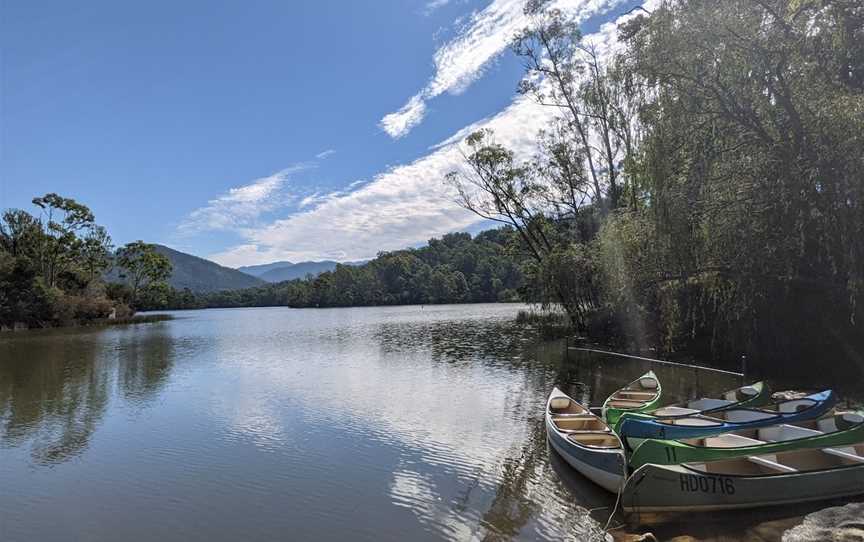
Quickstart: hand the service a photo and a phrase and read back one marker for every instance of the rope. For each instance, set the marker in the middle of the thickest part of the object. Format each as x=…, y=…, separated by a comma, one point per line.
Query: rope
x=614, y=508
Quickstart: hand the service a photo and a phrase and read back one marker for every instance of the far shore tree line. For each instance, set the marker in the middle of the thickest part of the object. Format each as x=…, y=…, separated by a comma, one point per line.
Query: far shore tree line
x=52, y=268
x=699, y=190
x=457, y=268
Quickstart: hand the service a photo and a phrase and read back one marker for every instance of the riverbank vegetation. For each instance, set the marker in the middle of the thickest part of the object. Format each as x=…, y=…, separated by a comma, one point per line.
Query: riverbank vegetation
x=52, y=267
x=701, y=189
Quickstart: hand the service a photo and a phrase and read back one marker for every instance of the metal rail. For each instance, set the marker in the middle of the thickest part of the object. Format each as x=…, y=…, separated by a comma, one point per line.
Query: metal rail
x=660, y=361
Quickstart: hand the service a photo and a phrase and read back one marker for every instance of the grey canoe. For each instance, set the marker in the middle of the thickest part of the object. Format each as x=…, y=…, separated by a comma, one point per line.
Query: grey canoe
x=585, y=441
x=748, y=482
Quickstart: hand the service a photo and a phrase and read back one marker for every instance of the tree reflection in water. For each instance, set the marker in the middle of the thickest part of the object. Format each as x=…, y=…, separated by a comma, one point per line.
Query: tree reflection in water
x=55, y=387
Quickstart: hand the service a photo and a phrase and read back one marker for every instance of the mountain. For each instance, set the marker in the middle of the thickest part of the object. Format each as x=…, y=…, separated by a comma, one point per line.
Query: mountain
x=298, y=271
x=281, y=271
x=258, y=270
x=198, y=274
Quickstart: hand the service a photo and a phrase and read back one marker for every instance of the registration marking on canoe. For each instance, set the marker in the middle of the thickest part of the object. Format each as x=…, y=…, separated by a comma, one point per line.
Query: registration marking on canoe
x=703, y=484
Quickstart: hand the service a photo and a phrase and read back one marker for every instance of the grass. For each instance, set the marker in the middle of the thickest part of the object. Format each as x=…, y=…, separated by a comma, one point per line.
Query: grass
x=551, y=324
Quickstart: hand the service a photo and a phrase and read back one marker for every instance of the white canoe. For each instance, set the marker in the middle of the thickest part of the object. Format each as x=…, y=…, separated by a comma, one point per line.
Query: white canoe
x=585, y=441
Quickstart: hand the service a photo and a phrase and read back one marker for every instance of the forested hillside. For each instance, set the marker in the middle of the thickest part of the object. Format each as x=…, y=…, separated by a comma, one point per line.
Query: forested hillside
x=200, y=275
x=454, y=269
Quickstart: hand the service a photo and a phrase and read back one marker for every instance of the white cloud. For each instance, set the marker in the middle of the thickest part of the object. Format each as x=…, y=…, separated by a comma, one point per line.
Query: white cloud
x=398, y=208
x=324, y=154
x=461, y=61
x=401, y=122
x=432, y=5
x=240, y=206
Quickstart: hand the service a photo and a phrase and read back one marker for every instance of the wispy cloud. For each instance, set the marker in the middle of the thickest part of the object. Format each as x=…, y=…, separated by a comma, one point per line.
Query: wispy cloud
x=401, y=122
x=462, y=60
x=324, y=154
x=401, y=207
x=433, y=5
x=242, y=205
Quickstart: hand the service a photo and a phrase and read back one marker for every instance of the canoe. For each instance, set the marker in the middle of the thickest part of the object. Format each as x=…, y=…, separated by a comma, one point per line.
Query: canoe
x=585, y=441
x=641, y=395
x=789, y=477
x=837, y=430
x=790, y=411
x=752, y=395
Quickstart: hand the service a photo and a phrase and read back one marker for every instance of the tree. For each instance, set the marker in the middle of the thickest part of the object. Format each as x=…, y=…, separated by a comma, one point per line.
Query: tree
x=19, y=233
x=751, y=159
x=596, y=117
x=496, y=188
x=142, y=267
x=523, y=196
x=95, y=252
x=62, y=219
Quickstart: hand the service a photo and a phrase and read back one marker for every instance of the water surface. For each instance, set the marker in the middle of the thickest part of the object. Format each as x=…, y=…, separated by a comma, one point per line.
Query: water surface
x=421, y=423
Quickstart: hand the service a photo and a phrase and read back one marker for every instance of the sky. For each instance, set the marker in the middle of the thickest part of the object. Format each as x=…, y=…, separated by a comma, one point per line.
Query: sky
x=257, y=131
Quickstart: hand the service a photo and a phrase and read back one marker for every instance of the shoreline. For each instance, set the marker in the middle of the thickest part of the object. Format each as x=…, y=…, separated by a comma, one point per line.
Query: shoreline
x=101, y=322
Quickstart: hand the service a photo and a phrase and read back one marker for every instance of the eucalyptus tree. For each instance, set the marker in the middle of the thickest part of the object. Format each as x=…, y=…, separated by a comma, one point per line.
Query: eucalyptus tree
x=535, y=198
x=62, y=220
x=95, y=254
x=595, y=111
x=142, y=267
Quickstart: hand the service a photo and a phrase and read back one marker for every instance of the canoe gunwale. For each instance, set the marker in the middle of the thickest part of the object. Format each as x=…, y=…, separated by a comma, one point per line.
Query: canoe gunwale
x=639, y=406
x=675, y=452
x=645, y=426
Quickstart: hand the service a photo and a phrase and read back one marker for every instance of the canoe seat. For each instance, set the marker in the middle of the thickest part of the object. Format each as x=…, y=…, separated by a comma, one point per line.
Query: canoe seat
x=570, y=423
x=763, y=461
x=648, y=383
x=559, y=403
x=595, y=439
x=692, y=422
x=844, y=455
x=627, y=393
x=674, y=411
x=730, y=441
x=618, y=403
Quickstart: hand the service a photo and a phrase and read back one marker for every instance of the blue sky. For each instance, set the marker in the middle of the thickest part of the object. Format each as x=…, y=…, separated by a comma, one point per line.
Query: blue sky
x=249, y=132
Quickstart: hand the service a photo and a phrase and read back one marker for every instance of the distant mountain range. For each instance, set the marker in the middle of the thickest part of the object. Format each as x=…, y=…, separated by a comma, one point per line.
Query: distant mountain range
x=201, y=276
x=280, y=271
x=198, y=274
x=258, y=270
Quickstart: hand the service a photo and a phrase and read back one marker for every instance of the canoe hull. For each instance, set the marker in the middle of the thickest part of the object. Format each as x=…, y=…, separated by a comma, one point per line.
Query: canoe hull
x=654, y=488
x=646, y=427
x=603, y=467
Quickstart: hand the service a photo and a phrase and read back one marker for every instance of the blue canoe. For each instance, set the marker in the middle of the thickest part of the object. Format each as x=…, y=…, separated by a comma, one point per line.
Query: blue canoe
x=640, y=426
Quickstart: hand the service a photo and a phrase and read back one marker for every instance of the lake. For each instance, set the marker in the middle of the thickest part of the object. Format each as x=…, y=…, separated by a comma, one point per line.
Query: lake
x=395, y=423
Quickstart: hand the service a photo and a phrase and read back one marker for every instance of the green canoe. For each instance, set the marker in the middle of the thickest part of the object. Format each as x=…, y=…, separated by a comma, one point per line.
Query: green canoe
x=753, y=395
x=835, y=431
x=641, y=395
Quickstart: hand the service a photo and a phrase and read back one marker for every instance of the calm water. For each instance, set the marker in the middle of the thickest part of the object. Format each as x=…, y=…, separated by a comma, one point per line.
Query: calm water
x=339, y=424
